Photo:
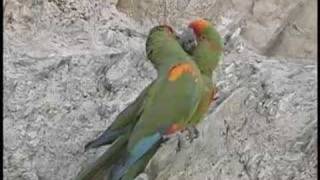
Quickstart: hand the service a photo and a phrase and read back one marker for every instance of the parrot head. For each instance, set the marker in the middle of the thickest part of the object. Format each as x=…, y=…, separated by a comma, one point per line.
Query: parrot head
x=209, y=48
x=199, y=26
x=162, y=46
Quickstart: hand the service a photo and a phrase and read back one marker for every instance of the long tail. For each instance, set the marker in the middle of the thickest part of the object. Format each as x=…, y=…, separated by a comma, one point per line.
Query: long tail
x=99, y=169
x=139, y=166
x=131, y=164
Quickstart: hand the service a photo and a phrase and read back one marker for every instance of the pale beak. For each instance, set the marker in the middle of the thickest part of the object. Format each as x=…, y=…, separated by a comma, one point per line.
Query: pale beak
x=187, y=39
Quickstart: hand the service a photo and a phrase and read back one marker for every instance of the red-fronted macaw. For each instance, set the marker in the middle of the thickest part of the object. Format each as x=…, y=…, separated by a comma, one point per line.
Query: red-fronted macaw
x=207, y=54
x=166, y=107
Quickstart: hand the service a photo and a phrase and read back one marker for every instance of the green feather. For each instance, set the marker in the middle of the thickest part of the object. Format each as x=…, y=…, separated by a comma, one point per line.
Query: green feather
x=207, y=55
x=209, y=50
x=99, y=169
x=164, y=103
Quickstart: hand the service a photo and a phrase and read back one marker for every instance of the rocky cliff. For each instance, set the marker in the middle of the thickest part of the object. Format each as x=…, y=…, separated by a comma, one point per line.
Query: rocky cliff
x=71, y=66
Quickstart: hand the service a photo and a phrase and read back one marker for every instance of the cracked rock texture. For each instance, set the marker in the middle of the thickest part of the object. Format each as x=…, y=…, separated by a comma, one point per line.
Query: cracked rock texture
x=271, y=27
x=71, y=66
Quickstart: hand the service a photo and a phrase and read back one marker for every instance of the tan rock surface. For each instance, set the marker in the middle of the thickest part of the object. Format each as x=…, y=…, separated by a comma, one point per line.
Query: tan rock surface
x=71, y=66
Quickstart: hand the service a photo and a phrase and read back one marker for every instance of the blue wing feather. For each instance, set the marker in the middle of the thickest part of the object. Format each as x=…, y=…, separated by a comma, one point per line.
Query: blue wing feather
x=135, y=154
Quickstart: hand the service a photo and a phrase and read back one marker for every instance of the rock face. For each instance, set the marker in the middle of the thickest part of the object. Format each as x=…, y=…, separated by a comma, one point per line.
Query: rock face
x=71, y=66
x=273, y=27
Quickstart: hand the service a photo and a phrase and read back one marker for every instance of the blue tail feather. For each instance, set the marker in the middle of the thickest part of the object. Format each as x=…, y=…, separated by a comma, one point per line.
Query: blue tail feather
x=145, y=145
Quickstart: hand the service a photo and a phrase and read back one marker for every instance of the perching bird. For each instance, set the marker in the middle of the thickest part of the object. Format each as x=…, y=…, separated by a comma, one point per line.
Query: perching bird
x=207, y=58
x=166, y=107
x=207, y=53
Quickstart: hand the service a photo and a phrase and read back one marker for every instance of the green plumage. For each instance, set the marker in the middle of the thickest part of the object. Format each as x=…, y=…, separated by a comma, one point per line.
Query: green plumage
x=169, y=102
x=171, y=99
x=99, y=169
x=207, y=54
x=209, y=50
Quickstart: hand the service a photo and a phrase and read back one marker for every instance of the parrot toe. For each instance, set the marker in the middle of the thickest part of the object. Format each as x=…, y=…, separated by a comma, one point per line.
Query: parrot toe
x=215, y=97
x=193, y=133
x=183, y=141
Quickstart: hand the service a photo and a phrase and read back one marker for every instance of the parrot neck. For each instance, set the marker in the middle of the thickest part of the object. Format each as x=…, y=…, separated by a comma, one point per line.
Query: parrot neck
x=166, y=53
x=165, y=68
x=208, y=52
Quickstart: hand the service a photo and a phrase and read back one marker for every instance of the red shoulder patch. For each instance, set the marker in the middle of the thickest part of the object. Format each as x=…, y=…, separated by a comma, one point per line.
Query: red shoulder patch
x=176, y=71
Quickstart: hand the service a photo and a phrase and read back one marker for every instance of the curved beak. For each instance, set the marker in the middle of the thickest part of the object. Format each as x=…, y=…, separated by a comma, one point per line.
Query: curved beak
x=187, y=39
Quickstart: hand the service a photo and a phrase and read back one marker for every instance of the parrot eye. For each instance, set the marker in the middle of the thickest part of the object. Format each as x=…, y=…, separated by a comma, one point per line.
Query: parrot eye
x=201, y=37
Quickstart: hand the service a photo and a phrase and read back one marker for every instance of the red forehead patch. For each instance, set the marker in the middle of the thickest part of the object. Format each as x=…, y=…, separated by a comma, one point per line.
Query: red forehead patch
x=198, y=26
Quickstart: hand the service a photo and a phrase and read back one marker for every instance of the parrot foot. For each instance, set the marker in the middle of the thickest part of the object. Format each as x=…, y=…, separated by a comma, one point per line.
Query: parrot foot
x=215, y=97
x=193, y=133
x=215, y=94
x=180, y=143
x=186, y=138
x=180, y=140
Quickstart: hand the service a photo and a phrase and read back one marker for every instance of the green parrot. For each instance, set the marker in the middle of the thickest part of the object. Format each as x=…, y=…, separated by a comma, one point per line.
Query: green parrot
x=165, y=107
x=207, y=53
x=207, y=59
